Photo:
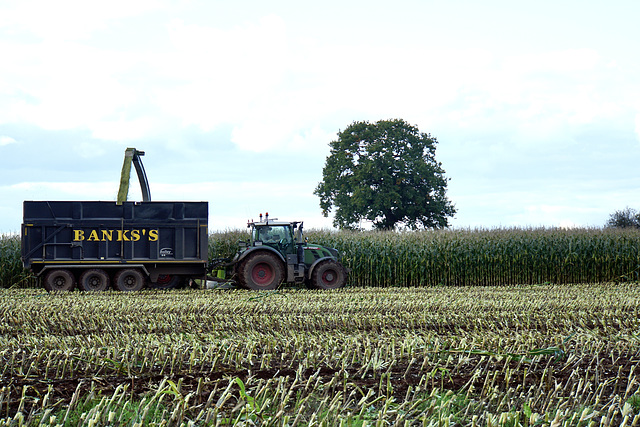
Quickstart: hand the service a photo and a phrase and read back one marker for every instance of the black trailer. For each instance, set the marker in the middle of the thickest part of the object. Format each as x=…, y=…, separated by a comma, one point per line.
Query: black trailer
x=101, y=244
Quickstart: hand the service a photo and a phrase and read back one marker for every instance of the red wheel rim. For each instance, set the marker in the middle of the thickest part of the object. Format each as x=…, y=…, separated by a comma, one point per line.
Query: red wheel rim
x=262, y=274
x=163, y=279
x=329, y=277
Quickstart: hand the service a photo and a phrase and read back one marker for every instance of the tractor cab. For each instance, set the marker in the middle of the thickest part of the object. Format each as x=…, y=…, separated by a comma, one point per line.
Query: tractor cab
x=276, y=235
x=284, y=237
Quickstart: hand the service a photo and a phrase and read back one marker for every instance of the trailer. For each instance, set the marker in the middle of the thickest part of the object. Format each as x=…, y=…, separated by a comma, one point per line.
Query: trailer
x=96, y=244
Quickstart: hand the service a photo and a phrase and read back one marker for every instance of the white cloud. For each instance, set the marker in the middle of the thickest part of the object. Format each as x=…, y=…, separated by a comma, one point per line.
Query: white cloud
x=6, y=140
x=126, y=130
x=558, y=61
x=220, y=74
x=282, y=127
x=66, y=190
x=271, y=87
x=63, y=86
x=68, y=19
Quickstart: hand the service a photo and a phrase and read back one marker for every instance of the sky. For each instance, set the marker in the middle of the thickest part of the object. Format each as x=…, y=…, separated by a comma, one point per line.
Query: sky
x=535, y=105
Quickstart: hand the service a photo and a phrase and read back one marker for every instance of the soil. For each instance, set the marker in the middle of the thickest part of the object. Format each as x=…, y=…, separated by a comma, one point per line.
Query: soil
x=600, y=368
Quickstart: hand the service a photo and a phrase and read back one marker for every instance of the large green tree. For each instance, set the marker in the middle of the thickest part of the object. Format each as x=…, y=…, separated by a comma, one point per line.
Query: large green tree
x=386, y=173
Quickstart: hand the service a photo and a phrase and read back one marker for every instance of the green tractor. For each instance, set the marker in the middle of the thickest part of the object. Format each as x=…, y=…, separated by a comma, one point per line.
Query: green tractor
x=277, y=253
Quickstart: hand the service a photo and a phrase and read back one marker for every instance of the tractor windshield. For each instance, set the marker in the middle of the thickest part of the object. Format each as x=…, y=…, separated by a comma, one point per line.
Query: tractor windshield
x=273, y=234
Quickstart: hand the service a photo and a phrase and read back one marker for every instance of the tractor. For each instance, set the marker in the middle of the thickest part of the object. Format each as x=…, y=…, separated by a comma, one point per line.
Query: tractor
x=277, y=252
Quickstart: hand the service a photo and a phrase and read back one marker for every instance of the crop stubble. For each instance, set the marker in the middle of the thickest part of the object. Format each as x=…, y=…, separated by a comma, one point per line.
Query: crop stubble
x=483, y=355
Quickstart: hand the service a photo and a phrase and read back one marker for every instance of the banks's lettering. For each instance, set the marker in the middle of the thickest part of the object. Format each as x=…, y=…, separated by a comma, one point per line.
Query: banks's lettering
x=132, y=235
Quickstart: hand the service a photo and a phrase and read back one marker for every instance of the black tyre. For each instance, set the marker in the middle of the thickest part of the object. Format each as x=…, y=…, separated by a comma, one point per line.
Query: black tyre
x=59, y=280
x=328, y=275
x=94, y=280
x=261, y=271
x=166, y=281
x=129, y=280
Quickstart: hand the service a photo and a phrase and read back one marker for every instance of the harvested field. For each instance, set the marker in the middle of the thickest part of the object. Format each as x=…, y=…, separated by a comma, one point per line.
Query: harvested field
x=523, y=355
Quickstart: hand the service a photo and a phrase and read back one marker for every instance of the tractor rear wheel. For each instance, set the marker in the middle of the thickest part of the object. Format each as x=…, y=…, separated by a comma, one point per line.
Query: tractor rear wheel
x=328, y=275
x=261, y=271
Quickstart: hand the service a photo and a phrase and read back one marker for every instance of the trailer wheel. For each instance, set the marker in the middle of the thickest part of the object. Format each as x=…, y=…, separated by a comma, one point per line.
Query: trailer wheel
x=94, y=280
x=129, y=280
x=328, y=275
x=166, y=281
x=261, y=271
x=59, y=280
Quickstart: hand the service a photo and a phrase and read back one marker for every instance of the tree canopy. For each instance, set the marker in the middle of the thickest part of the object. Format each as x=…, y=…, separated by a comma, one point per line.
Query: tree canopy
x=625, y=218
x=386, y=173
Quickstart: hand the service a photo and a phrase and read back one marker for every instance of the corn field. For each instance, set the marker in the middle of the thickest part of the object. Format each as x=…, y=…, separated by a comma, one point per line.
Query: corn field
x=542, y=355
x=446, y=257
x=11, y=272
x=477, y=257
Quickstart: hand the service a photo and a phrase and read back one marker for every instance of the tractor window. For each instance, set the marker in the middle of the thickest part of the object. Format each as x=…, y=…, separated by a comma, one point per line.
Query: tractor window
x=273, y=234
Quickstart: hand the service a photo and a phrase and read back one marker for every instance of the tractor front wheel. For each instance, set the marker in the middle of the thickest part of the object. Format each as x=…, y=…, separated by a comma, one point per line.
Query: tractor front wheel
x=328, y=275
x=261, y=271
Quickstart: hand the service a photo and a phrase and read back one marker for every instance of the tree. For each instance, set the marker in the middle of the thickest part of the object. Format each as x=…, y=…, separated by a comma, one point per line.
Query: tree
x=384, y=172
x=624, y=219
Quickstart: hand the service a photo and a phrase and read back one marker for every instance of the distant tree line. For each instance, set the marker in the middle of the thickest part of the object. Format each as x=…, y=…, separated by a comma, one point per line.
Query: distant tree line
x=625, y=218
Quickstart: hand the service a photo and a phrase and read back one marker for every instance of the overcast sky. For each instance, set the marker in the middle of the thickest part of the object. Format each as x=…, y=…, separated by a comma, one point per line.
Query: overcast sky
x=536, y=105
